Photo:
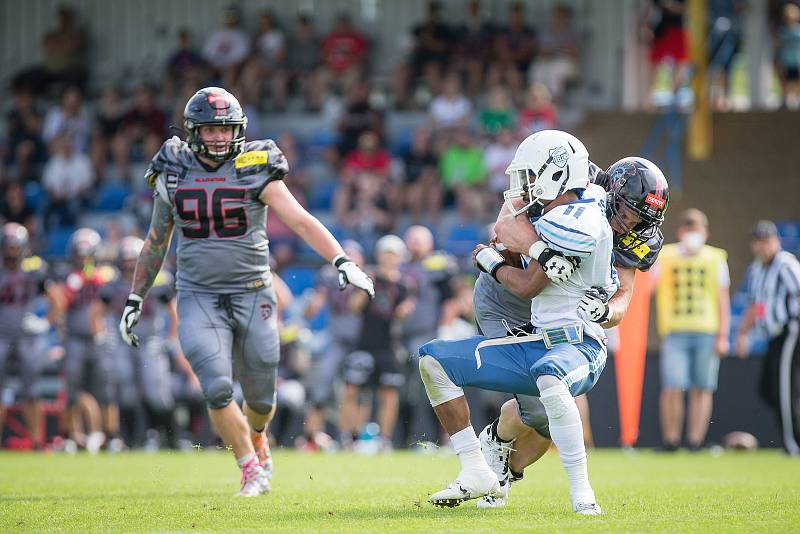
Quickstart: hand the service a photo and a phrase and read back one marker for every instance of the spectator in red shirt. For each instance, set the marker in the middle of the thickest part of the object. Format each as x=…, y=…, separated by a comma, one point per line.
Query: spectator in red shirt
x=538, y=112
x=368, y=157
x=344, y=54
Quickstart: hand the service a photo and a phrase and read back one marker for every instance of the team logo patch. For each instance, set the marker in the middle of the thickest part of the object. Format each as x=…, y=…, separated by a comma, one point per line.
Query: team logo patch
x=254, y=157
x=266, y=311
x=656, y=202
x=560, y=156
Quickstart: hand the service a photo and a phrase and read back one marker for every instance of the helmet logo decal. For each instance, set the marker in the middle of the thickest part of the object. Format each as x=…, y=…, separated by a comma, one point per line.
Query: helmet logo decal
x=559, y=156
x=656, y=202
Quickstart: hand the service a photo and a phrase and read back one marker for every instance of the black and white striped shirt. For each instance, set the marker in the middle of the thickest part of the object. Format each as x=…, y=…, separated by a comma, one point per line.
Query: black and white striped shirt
x=775, y=289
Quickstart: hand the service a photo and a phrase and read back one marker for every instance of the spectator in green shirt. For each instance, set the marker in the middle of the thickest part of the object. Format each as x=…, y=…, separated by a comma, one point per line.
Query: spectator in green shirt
x=498, y=113
x=464, y=173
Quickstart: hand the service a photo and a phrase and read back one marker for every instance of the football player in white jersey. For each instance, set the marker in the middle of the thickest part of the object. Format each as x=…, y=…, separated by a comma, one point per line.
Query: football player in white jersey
x=634, y=194
x=562, y=353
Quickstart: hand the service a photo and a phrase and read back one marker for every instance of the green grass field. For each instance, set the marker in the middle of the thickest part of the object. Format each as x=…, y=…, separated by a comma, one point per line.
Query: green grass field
x=180, y=492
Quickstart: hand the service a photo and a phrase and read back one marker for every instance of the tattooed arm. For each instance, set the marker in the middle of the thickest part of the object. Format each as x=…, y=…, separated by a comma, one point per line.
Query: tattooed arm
x=155, y=248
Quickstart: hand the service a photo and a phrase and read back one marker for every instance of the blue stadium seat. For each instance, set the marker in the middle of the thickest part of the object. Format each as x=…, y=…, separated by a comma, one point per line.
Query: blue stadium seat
x=462, y=238
x=34, y=195
x=321, y=195
x=57, y=241
x=299, y=278
x=111, y=197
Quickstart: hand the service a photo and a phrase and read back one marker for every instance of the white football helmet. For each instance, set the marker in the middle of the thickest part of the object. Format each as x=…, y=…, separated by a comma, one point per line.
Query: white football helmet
x=546, y=165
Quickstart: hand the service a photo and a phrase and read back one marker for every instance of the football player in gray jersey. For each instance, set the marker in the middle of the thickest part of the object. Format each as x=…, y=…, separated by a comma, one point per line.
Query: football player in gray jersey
x=215, y=188
x=143, y=375
x=636, y=223
x=22, y=279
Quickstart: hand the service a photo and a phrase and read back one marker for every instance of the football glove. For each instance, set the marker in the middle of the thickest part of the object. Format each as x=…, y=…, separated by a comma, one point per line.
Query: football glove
x=555, y=265
x=489, y=261
x=595, y=305
x=130, y=316
x=350, y=273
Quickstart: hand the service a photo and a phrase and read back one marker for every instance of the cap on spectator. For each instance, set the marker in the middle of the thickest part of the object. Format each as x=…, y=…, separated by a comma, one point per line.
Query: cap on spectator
x=764, y=230
x=693, y=217
x=391, y=243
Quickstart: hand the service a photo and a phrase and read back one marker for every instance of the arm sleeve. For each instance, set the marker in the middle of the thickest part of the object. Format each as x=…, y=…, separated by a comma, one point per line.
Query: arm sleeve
x=559, y=231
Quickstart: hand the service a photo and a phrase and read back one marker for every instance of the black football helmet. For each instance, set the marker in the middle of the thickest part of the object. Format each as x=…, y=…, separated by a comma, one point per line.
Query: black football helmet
x=14, y=242
x=214, y=106
x=639, y=185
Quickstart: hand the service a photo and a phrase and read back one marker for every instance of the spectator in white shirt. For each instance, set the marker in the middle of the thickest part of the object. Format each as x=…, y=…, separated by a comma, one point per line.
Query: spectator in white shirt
x=67, y=179
x=451, y=109
x=228, y=46
x=71, y=119
x=497, y=157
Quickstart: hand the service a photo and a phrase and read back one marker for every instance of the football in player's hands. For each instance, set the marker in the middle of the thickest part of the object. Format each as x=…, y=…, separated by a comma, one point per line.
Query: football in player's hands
x=512, y=258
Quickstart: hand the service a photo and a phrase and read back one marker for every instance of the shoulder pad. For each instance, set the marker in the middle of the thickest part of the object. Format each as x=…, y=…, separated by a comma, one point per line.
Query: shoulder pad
x=174, y=154
x=33, y=264
x=106, y=273
x=262, y=157
x=438, y=261
x=163, y=278
x=641, y=257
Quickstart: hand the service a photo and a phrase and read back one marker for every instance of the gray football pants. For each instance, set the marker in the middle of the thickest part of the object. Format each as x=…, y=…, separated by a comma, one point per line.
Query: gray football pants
x=31, y=359
x=143, y=374
x=88, y=367
x=493, y=304
x=232, y=335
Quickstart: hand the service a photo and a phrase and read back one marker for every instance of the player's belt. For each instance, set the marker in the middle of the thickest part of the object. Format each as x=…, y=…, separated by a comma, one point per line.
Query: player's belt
x=569, y=334
x=559, y=335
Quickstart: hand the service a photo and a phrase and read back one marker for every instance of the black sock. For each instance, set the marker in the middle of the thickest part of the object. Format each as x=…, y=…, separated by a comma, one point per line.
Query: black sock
x=514, y=475
x=494, y=433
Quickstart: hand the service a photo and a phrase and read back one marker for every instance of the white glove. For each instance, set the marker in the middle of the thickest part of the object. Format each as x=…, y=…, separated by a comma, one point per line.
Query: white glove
x=350, y=273
x=595, y=305
x=33, y=324
x=555, y=265
x=130, y=316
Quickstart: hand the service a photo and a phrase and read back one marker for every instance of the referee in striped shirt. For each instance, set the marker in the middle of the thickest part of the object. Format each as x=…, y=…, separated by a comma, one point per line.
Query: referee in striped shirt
x=774, y=295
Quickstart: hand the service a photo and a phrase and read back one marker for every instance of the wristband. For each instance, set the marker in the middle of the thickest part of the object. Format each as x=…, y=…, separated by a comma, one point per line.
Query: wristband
x=536, y=249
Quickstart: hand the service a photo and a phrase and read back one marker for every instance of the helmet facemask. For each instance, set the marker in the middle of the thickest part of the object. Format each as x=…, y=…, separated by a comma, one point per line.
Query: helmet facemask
x=523, y=185
x=229, y=149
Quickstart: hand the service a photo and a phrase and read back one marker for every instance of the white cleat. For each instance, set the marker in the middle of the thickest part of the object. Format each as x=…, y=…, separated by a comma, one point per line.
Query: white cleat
x=254, y=481
x=586, y=507
x=493, y=501
x=469, y=485
x=496, y=454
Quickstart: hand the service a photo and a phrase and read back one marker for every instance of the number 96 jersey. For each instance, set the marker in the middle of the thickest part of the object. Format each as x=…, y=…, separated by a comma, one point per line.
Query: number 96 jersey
x=220, y=221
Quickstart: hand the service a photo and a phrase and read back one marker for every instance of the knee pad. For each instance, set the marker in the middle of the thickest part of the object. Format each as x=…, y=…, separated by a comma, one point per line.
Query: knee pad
x=219, y=393
x=533, y=414
x=556, y=399
x=438, y=385
x=260, y=407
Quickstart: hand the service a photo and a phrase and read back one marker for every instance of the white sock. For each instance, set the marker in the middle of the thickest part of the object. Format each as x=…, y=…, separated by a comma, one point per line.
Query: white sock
x=566, y=431
x=246, y=458
x=468, y=449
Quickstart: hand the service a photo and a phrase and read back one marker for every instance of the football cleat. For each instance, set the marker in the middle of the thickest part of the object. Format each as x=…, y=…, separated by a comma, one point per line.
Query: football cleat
x=471, y=484
x=254, y=481
x=263, y=453
x=496, y=454
x=493, y=501
x=586, y=508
